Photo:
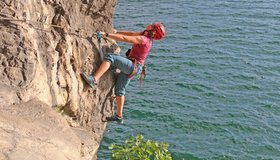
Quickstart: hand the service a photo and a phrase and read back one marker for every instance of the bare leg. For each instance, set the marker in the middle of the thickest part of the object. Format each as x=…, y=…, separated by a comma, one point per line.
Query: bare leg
x=120, y=104
x=119, y=99
x=105, y=65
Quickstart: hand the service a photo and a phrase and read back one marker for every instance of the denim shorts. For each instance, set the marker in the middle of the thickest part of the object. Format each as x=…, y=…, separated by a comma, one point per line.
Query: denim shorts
x=126, y=67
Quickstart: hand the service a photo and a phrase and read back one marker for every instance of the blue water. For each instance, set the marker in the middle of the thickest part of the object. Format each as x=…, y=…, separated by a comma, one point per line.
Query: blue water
x=212, y=89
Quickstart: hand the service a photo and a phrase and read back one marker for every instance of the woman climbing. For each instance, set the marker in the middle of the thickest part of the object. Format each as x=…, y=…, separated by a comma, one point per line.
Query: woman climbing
x=130, y=66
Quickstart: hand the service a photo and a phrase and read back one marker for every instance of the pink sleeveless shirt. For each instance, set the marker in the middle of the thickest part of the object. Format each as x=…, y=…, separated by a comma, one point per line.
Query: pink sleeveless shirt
x=141, y=51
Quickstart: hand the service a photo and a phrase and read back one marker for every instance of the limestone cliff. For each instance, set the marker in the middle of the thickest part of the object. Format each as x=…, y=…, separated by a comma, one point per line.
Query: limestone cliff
x=46, y=110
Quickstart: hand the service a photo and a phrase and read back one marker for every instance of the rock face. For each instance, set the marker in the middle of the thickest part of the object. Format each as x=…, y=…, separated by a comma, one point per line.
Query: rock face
x=47, y=111
x=35, y=131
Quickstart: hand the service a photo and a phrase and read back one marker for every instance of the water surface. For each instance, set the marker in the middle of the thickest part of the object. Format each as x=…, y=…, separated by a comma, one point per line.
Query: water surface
x=212, y=89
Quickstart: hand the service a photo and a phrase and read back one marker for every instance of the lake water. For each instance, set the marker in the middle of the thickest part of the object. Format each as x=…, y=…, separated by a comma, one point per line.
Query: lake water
x=212, y=89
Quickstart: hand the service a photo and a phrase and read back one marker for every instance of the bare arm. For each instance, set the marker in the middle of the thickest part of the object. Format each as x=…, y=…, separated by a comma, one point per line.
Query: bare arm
x=134, y=39
x=128, y=33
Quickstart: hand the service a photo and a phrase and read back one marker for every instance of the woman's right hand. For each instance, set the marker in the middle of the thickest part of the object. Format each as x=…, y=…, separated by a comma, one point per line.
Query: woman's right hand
x=102, y=33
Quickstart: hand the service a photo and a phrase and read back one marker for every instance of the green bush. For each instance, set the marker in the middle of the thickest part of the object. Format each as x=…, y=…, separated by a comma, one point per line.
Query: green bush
x=138, y=149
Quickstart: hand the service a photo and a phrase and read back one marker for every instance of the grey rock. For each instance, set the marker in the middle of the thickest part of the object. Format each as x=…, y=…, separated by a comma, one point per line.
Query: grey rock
x=47, y=111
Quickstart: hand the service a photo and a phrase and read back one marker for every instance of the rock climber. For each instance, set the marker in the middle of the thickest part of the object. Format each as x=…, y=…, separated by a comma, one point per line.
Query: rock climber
x=130, y=65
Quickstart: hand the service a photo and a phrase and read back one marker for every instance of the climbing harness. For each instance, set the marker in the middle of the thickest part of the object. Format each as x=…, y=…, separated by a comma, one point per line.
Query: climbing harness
x=135, y=64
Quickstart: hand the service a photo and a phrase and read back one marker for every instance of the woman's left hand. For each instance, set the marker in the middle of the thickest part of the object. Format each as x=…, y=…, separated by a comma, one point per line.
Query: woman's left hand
x=102, y=33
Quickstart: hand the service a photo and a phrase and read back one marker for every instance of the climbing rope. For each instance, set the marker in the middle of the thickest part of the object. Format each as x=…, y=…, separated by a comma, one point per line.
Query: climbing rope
x=76, y=32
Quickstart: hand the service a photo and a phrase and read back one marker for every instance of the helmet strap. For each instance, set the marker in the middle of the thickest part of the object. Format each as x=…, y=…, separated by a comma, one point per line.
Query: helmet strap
x=150, y=33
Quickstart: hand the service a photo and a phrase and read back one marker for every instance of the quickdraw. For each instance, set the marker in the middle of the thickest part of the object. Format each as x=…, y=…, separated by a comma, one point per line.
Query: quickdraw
x=142, y=74
x=99, y=45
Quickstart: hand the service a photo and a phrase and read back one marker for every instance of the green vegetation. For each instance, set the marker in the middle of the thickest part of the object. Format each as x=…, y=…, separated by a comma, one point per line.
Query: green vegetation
x=139, y=149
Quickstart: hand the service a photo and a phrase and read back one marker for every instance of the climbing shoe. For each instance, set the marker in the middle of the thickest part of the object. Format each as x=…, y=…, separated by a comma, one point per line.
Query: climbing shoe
x=89, y=79
x=115, y=118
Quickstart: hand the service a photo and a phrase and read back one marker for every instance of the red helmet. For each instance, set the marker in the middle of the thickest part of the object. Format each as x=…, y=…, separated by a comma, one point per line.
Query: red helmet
x=159, y=31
